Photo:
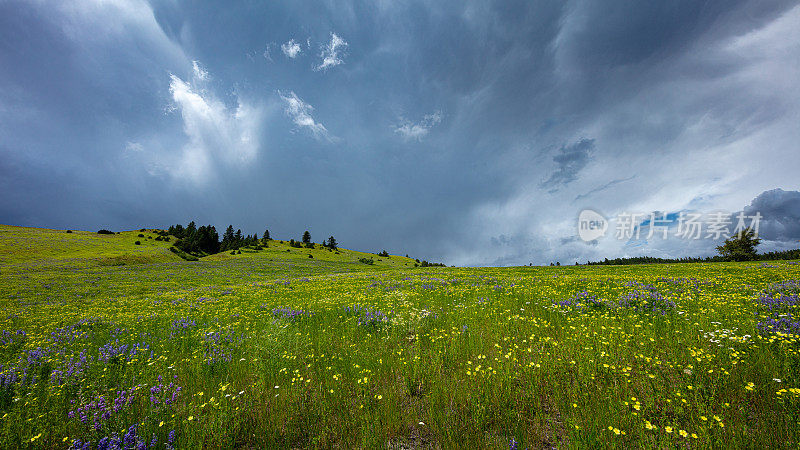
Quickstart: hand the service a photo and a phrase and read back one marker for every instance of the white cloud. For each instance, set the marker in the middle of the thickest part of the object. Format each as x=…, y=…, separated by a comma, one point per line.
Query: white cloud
x=291, y=49
x=267, y=53
x=133, y=147
x=332, y=53
x=300, y=112
x=198, y=71
x=420, y=129
x=217, y=135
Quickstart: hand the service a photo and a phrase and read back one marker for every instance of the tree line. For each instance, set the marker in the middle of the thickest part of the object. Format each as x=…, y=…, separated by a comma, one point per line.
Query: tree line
x=740, y=247
x=204, y=240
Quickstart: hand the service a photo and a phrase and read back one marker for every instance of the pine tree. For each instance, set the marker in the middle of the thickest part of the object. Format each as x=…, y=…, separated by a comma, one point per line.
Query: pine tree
x=332, y=244
x=266, y=237
x=227, y=239
x=306, y=237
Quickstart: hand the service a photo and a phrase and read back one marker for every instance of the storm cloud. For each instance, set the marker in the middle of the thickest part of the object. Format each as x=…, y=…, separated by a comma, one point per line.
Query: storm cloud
x=569, y=160
x=780, y=214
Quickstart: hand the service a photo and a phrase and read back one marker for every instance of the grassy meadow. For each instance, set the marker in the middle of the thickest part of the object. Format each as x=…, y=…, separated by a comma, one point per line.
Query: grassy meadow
x=108, y=344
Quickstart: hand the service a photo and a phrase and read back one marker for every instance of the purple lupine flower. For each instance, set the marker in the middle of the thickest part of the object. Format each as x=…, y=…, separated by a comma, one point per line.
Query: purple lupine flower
x=289, y=314
x=780, y=323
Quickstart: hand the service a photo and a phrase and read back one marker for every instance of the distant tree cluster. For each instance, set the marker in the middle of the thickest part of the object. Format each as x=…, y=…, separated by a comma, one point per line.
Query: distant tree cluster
x=424, y=263
x=648, y=260
x=196, y=241
x=192, y=241
x=740, y=247
x=431, y=264
x=305, y=242
x=235, y=240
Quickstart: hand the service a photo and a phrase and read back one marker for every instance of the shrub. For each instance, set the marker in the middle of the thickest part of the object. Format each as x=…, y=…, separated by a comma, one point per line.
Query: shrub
x=311, y=256
x=104, y=231
x=138, y=242
x=69, y=231
x=140, y=235
x=367, y=261
x=384, y=254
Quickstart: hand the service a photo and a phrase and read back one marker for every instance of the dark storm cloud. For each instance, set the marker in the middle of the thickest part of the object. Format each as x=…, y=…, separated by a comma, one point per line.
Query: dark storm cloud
x=780, y=214
x=569, y=160
x=429, y=132
x=624, y=32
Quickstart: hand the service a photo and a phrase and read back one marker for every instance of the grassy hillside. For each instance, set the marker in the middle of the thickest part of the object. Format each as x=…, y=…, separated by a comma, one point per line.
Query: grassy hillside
x=23, y=248
x=41, y=263
x=278, y=350
x=280, y=251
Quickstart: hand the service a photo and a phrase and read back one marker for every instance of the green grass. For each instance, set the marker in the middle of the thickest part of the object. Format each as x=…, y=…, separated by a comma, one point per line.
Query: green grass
x=275, y=349
x=24, y=249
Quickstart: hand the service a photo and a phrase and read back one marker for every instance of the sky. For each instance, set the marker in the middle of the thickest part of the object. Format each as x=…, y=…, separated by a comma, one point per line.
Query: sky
x=471, y=133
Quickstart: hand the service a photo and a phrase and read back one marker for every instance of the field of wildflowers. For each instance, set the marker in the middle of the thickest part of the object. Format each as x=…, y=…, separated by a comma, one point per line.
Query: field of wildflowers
x=278, y=350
